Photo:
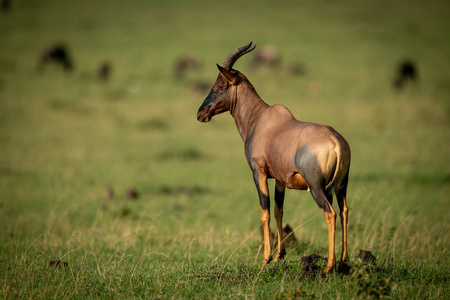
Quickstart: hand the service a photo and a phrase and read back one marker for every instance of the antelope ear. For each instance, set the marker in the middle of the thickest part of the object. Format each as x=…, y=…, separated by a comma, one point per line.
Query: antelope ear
x=232, y=78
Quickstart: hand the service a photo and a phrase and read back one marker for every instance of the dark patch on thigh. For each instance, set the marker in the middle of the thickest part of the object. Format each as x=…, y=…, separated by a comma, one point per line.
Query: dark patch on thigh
x=308, y=166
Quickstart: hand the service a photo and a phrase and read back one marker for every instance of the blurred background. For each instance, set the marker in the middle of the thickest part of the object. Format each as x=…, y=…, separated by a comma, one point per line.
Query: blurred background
x=99, y=142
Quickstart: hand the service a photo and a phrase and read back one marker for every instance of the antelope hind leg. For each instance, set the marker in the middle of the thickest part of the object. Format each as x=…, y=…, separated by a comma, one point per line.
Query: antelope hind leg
x=330, y=217
x=278, y=212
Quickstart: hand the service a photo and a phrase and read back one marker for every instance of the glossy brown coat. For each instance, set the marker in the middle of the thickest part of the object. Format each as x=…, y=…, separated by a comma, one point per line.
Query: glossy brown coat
x=299, y=155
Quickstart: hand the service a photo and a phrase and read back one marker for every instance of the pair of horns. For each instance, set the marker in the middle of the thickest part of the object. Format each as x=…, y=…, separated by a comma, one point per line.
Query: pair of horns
x=234, y=56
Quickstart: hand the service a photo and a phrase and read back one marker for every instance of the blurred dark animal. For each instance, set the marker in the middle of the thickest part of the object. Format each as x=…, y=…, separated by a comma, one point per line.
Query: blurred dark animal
x=406, y=74
x=131, y=194
x=186, y=64
x=104, y=71
x=109, y=195
x=57, y=54
x=299, y=155
x=266, y=56
x=296, y=69
x=200, y=87
x=6, y=5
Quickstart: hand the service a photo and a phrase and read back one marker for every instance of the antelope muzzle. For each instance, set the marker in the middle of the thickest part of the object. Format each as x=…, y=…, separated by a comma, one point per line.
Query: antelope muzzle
x=203, y=115
x=204, y=111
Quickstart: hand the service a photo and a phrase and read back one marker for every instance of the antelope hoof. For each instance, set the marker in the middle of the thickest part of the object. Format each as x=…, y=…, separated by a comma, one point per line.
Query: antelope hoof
x=329, y=269
x=280, y=256
x=266, y=260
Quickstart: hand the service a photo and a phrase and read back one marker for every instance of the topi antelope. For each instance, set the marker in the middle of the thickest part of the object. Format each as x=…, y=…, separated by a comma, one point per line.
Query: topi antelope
x=299, y=155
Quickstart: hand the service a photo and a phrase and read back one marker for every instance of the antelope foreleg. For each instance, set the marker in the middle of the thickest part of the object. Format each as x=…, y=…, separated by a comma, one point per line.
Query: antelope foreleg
x=265, y=220
x=264, y=204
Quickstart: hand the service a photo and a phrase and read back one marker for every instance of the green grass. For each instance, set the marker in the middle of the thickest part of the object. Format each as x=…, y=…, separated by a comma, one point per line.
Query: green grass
x=194, y=231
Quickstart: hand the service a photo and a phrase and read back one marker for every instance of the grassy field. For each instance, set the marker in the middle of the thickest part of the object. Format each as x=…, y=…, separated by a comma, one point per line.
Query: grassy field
x=193, y=232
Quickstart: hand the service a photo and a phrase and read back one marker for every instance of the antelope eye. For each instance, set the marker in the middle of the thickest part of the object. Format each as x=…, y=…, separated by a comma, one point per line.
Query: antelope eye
x=220, y=84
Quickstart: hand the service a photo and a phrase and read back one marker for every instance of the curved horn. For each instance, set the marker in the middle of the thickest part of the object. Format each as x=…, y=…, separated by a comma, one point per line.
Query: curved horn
x=233, y=56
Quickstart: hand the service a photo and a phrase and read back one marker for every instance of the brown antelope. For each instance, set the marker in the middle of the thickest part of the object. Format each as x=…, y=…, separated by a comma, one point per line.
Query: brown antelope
x=299, y=155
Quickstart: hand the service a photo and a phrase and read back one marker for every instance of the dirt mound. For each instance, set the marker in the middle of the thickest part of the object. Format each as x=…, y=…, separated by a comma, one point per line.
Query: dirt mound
x=344, y=268
x=310, y=263
x=366, y=256
x=58, y=263
x=288, y=234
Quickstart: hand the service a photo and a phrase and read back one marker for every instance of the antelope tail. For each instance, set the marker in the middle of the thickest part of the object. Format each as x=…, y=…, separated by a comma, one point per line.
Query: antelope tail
x=338, y=150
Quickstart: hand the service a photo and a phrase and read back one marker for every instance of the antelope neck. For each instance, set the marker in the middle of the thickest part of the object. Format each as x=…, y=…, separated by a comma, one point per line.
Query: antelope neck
x=246, y=110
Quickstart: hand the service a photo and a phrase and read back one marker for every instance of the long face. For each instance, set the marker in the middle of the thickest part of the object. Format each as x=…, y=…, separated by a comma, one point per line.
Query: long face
x=218, y=100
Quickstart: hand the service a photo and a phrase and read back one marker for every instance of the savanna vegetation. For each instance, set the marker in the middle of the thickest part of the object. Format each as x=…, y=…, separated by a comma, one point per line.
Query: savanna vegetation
x=112, y=189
